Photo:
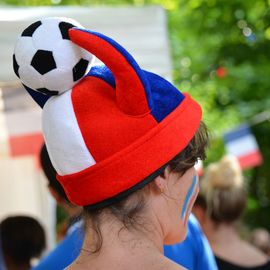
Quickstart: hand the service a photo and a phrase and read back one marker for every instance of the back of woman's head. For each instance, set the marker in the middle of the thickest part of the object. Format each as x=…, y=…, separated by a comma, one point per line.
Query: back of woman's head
x=223, y=190
x=22, y=237
x=129, y=209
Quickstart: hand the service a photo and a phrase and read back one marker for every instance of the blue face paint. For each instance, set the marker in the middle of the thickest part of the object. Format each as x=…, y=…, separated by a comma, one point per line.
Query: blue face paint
x=189, y=195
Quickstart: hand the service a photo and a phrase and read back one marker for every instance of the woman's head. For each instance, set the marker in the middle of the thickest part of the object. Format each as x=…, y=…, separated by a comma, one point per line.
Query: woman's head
x=169, y=197
x=222, y=191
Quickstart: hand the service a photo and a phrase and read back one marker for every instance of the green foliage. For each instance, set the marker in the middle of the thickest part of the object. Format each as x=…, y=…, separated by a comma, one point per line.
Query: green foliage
x=221, y=55
x=229, y=39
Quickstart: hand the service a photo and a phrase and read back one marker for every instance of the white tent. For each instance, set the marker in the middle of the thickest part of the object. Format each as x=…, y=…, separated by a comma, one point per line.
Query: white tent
x=141, y=30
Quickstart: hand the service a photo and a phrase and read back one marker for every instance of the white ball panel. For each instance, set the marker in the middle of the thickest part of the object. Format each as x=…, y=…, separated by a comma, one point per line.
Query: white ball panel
x=66, y=54
x=59, y=79
x=24, y=51
x=47, y=36
x=90, y=57
x=30, y=77
x=87, y=55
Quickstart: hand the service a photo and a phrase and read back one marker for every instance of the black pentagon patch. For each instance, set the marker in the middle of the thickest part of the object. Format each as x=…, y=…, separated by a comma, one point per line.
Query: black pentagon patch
x=64, y=27
x=79, y=69
x=15, y=66
x=29, y=31
x=43, y=61
x=47, y=91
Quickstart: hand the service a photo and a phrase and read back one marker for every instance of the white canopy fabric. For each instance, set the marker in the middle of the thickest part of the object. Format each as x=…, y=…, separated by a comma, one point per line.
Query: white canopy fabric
x=141, y=30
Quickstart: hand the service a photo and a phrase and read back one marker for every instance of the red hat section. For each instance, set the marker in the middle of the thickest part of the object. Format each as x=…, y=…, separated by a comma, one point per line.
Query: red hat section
x=131, y=89
x=131, y=165
x=104, y=127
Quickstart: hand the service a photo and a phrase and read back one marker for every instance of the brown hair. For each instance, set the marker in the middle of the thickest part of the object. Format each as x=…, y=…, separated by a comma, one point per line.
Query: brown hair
x=222, y=191
x=128, y=210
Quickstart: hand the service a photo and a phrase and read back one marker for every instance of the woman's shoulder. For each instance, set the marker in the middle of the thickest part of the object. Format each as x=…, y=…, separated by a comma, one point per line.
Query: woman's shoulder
x=255, y=255
x=153, y=262
x=167, y=264
x=249, y=258
x=150, y=261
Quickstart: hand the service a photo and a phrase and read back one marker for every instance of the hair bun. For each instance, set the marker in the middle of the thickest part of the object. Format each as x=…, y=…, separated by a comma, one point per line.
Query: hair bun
x=224, y=174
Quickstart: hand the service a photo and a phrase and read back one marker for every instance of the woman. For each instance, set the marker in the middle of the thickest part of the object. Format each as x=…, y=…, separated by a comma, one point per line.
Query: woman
x=130, y=234
x=219, y=207
x=124, y=142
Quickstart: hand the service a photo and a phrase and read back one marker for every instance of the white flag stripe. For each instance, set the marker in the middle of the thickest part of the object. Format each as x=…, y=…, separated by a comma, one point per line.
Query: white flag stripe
x=66, y=146
x=242, y=146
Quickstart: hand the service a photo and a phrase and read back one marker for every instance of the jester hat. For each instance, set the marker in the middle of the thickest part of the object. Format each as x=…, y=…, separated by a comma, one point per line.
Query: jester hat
x=116, y=127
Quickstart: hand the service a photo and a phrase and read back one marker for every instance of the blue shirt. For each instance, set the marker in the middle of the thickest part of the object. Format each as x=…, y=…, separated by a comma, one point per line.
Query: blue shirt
x=194, y=252
x=65, y=252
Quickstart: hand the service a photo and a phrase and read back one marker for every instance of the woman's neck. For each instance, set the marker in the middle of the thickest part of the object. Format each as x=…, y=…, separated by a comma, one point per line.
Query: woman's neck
x=120, y=243
x=115, y=234
x=218, y=234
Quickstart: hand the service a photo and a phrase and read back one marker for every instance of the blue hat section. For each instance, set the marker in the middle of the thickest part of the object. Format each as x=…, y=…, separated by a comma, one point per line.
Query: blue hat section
x=165, y=96
x=103, y=73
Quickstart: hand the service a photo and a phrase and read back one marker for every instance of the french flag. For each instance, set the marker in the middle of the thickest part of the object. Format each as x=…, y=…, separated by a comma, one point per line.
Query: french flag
x=241, y=143
x=24, y=130
x=22, y=124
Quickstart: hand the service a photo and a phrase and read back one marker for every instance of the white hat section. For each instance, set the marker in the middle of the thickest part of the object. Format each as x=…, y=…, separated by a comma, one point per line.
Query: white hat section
x=63, y=137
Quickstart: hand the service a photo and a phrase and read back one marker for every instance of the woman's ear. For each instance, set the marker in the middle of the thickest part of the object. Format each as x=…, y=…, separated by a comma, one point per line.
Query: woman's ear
x=162, y=180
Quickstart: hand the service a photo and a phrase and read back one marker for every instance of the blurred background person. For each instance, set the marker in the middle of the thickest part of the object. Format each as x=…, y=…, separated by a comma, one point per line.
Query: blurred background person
x=260, y=238
x=73, y=212
x=220, y=205
x=69, y=248
x=22, y=239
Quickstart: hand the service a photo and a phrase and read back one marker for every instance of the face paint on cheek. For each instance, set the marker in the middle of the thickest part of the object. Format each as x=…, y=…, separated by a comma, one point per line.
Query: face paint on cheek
x=191, y=203
x=190, y=198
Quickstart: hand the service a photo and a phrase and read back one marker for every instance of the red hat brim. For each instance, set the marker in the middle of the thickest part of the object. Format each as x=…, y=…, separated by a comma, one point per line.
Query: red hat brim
x=129, y=167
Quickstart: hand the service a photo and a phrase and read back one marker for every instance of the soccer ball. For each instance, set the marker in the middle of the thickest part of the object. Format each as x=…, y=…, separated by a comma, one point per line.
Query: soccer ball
x=46, y=60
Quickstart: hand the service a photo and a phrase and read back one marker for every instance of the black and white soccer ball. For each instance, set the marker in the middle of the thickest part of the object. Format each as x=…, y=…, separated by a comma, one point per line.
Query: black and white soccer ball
x=46, y=60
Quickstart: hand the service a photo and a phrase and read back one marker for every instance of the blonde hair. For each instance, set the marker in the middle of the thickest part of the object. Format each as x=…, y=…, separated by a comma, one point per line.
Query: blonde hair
x=222, y=187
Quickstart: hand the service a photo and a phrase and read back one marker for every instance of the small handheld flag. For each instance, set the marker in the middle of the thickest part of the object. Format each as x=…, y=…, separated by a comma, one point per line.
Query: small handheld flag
x=242, y=143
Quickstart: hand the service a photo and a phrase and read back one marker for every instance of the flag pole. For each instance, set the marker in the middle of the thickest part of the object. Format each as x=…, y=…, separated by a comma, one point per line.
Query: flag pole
x=259, y=118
